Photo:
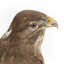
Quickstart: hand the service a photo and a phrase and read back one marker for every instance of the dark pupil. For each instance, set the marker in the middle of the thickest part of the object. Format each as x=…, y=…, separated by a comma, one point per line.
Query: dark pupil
x=33, y=24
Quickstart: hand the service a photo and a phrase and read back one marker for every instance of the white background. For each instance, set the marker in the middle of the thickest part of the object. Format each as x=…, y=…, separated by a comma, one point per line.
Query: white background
x=53, y=44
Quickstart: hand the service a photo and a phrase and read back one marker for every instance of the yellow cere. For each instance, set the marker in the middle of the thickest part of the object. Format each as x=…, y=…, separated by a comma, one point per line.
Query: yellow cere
x=49, y=20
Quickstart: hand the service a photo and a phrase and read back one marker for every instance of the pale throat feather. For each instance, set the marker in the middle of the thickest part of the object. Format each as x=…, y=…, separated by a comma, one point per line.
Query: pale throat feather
x=37, y=45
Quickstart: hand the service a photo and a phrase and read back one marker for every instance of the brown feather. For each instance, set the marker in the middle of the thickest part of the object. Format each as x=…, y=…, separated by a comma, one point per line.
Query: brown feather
x=18, y=47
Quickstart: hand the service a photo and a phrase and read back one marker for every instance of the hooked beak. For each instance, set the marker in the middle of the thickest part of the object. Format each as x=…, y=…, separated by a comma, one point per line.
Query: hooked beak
x=51, y=22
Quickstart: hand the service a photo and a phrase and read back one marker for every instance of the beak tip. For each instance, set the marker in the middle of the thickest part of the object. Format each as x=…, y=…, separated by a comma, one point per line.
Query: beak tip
x=56, y=24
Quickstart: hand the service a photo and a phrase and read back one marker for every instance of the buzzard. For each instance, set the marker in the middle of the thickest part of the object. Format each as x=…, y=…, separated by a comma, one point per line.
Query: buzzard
x=22, y=42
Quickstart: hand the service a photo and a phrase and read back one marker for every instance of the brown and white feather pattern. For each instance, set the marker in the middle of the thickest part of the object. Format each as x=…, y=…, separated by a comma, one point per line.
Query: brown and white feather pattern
x=21, y=45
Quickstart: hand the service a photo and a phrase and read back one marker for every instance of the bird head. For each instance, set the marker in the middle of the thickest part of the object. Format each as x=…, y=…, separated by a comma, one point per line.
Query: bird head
x=22, y=42
x=28, y=28
x=33, y=20
x=30, y=24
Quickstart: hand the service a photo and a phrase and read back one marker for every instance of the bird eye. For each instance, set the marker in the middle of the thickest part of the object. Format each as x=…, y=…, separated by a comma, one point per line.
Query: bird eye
x=33, y=25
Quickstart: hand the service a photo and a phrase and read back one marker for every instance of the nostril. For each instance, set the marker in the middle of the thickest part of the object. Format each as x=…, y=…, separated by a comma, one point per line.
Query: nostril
x=48, y=20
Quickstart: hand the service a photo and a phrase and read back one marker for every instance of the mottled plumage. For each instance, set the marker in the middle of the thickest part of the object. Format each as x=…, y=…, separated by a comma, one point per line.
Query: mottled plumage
x=21, y=43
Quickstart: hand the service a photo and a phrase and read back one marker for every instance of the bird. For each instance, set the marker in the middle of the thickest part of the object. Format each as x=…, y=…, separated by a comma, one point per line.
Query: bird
x=21, y=44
